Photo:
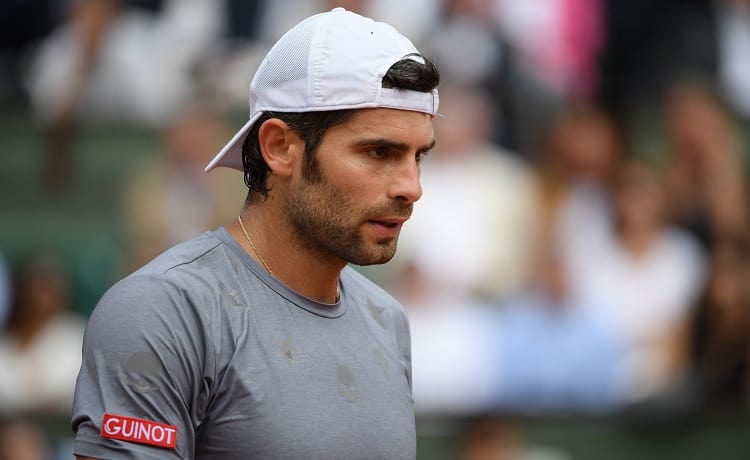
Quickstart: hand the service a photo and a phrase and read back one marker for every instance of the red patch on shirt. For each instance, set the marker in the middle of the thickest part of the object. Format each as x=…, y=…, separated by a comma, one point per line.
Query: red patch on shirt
x=138, y=430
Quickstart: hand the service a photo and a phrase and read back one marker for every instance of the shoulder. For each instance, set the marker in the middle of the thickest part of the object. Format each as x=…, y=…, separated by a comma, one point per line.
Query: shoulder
x=170, y=307
x=181, y=282
x=195, y=254
x=177, y=268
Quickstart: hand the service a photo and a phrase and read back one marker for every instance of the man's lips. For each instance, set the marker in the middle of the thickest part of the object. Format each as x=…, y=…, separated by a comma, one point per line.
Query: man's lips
x=390, y=221
x=388, y=227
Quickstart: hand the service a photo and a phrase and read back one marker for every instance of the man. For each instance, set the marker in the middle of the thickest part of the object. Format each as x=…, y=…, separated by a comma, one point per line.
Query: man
x=256, y=340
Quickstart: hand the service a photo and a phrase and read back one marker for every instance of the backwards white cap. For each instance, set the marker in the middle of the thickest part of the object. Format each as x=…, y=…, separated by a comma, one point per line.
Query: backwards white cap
x=330, y=61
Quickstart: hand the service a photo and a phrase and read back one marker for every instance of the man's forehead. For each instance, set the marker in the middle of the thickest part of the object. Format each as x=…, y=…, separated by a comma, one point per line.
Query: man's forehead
x=411, y=126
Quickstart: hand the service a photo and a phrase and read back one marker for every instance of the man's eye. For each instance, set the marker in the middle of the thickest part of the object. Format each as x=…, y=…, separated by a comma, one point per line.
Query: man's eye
x=378, y=152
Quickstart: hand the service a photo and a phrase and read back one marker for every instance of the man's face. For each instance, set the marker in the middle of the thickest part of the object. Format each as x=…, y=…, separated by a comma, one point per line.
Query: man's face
x=368, y=182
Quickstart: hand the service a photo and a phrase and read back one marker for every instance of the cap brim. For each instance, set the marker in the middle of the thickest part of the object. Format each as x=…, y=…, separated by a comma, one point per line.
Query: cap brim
x=231, y=155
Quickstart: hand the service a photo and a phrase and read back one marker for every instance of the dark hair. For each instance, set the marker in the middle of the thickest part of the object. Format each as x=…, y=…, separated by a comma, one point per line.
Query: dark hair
x=311, y=126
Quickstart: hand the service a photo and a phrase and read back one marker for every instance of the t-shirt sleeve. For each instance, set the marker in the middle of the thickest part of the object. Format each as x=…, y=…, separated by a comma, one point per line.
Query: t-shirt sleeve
x=146, y=371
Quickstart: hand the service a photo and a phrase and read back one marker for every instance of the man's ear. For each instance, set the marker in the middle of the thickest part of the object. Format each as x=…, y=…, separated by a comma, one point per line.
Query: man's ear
x=281, y=146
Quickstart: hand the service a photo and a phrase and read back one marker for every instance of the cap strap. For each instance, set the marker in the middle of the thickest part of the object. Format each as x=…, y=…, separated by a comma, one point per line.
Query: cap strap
x=406, y=99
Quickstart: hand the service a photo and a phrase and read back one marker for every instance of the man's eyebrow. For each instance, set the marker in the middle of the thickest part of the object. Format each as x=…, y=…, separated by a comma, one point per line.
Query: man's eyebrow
x=400, y=146
x=428, y=147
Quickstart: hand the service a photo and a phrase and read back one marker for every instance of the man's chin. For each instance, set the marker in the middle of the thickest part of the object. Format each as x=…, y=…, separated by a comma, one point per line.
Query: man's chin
x=382, y=253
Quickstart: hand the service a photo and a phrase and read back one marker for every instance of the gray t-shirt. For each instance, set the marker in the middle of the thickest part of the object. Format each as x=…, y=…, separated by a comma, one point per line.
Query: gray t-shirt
x=203, y=340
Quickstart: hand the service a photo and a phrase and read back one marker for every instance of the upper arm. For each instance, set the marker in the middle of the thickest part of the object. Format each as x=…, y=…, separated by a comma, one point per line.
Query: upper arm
x=143, y=358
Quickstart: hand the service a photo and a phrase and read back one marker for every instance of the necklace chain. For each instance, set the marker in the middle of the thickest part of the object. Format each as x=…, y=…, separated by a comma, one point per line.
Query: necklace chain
x=252, y=245
x=263, y=262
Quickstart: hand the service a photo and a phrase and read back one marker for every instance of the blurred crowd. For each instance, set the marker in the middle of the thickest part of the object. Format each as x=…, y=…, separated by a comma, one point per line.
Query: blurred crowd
x=582, y=245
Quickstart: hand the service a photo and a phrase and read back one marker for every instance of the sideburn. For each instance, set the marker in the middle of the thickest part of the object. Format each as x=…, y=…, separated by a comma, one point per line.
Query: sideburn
x=311, y=171
x=312, y=128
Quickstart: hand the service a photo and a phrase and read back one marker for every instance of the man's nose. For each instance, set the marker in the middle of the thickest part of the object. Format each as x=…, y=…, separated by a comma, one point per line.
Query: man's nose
x=406, y=185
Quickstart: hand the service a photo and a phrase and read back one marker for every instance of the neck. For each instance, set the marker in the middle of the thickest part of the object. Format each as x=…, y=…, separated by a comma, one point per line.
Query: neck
x=272, y=244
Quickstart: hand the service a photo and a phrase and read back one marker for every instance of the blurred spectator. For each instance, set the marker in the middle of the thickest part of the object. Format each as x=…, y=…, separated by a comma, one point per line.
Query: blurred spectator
x=22, y=440
x=469, y=24
x=479, y=209
x=706, y=185
x=552, y=47
x=40, y=351
x=169, y=198
x=559, y=42
x=114, y=60
x=647, y=281
x=648, y=46
x=733, y=28
x=577, y=169
x=453, y=358
x=555, y=354
x=722, y=328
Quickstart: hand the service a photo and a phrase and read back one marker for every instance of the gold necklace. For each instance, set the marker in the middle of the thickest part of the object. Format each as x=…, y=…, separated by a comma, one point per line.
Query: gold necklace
x=265, y=265
x=252, y=245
